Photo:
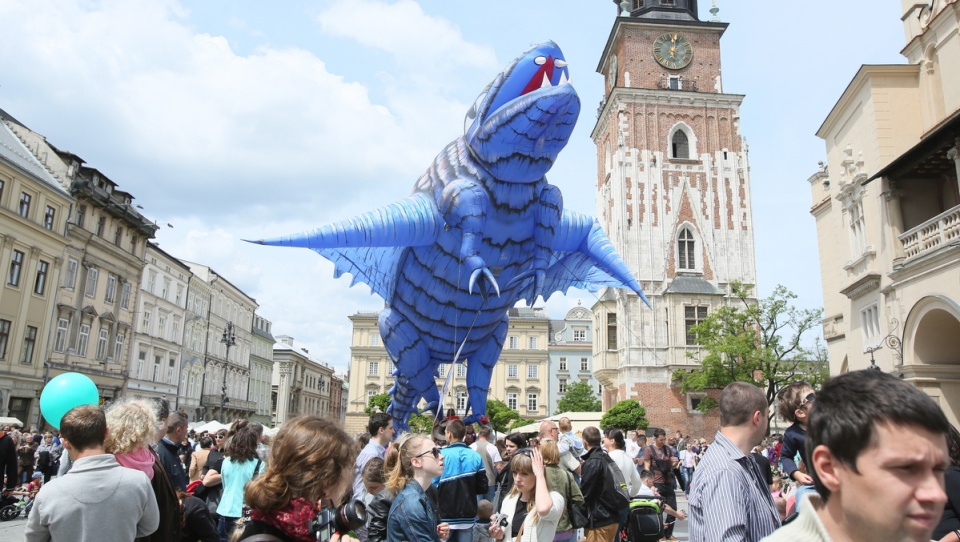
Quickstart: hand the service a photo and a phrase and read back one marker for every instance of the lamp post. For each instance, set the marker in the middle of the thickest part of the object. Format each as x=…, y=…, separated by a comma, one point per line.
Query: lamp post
x=229, y=339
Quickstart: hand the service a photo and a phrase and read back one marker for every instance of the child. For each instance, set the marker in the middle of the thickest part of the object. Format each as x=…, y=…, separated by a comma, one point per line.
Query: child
x=481, y=529
x=776, y=488
x=794, y=403
x=373, y=478
x=646, y=490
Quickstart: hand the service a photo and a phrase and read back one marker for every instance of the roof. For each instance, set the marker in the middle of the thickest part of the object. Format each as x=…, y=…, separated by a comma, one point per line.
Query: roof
x=692, y=285
x=929, y=156
x=13, y=151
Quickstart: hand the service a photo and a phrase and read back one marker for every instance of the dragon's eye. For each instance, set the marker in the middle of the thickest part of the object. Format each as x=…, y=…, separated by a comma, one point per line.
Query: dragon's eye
x=560, y=63
x=540, y=60
x=472, y=114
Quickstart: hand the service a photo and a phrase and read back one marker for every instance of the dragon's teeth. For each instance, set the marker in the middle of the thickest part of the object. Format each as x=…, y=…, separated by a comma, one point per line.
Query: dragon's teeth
x=546, y=81
x=563, y=79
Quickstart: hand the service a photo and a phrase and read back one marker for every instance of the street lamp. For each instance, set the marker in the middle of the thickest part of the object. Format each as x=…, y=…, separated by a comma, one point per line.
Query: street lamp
x=229, y=339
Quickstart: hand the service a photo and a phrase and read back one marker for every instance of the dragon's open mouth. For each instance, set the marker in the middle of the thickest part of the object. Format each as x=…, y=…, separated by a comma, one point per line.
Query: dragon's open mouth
x=544, y=75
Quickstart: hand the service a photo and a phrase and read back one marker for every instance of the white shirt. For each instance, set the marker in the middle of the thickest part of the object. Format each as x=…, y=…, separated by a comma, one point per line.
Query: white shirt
x=628, y=468
x=633, y=449
x=492, y=451
x=544, y=530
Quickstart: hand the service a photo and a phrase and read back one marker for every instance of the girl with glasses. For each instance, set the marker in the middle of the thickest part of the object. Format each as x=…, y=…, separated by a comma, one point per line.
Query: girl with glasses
x=531, y=510
x=410, y=471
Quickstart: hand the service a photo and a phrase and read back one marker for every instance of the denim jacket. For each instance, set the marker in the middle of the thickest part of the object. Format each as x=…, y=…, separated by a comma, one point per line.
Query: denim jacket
x=412, y=516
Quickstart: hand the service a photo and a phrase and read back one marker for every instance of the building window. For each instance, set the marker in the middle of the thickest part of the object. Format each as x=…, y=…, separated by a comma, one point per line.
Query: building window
x=579, y=334
x=693, y=401
x=171, y=365
x=125, y=298
x=118, y=235
x=70, y=278
x=49, y=217
x=16, y=266
x=514, y=343
x=83, y=338
x=4, y=337
x=162, y=325
x=118, y=348
x=81, y=211
x=870, y=325
x=512, y=400
x=533, y=371
x=141, y=361
x=532, y=405
x=441, y=370
x=858, y=243
x=461, y=401
x=563, y=386
x=179, y=295
x=693, y=316
x=513, y=371
x=157, y=361
x=563, y=363
x=685, y=250
x=60, y=339
x=24, y=209
x=102, y=339
x=584, y=365
x=679, y=144
x=373, y=368
x=461, y=370
x=92, y=275
x=374, y=339
x=165, y=292
x=533, y=343
x=111, y=294
x=175, y=332
x=101, y=224
x=29, y=343
x=611, y=331
x=151, y=281
x=2, y=184
x=40, y=285
x=145, y=322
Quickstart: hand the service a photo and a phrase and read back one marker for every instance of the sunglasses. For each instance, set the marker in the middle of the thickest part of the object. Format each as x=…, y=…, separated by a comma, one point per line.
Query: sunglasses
x=220, y=437
x=809, y=398
x=524, y=451
x=435, y=451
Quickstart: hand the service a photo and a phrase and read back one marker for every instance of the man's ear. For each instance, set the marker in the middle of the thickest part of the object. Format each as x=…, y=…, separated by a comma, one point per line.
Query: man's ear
x=65, y=443
x=827, y=467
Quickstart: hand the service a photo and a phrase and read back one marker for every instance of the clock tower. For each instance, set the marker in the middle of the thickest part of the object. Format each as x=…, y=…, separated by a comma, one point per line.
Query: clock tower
x=673, y=193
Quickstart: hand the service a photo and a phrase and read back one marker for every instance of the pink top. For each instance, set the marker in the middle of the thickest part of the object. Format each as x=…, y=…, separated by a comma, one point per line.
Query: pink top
x=141, y=460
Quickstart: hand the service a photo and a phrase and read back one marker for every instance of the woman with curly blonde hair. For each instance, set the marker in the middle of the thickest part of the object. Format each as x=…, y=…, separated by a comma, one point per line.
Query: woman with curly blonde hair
x=310, y=466
x=131, y=424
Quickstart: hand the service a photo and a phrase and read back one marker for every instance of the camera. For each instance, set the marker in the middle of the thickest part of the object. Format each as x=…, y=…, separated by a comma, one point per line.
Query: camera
x=349, y=516
x=502, y=522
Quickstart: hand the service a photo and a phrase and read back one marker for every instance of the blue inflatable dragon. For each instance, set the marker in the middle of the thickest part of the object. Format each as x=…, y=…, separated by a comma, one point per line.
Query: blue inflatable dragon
x=482, y=230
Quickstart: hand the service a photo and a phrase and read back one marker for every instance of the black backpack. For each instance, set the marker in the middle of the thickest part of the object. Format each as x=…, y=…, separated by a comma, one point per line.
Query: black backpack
x=616, y=493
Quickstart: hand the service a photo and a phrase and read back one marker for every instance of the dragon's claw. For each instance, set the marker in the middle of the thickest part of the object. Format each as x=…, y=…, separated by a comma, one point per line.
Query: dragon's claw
x=486, y=274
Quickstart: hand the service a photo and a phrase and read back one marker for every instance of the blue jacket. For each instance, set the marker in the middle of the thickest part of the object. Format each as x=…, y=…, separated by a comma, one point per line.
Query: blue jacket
x=464, y=477
x=412, y=516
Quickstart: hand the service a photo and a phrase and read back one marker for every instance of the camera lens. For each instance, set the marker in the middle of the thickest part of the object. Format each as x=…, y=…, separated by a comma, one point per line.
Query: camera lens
x=351, y=516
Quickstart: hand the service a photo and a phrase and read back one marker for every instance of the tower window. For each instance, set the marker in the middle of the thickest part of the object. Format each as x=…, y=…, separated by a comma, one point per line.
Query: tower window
x=680, y=145
x=686, y=258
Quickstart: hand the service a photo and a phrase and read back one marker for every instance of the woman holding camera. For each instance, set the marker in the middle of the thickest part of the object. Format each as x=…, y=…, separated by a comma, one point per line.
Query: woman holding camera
x=531, y=511
x=310, y=467
x=414, y=515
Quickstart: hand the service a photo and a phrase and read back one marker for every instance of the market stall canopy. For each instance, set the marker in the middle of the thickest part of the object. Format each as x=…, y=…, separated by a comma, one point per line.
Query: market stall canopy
x=8, y=420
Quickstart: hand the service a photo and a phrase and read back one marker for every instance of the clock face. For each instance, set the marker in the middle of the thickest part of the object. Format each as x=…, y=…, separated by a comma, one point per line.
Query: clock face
x=673, y=51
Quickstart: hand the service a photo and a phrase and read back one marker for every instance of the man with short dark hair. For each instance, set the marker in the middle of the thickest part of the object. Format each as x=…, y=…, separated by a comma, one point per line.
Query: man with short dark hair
x=463, y=478
x=659, y=459
x=168, y=449
x=729, y=499
x=602, y=520
x=878, y=450
x=98, y=499
x=380, y=429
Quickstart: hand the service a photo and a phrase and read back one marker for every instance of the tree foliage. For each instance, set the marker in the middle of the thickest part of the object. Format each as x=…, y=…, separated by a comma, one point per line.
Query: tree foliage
x=626, y=415
x=378, y=403
x=501, y=416
x=420, y=423
x=580, y=397
x=757, y=342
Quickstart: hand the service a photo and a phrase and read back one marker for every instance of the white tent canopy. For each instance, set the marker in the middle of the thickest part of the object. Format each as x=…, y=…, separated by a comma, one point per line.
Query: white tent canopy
x=9, y=420
x=211, y=427
x=579, y=421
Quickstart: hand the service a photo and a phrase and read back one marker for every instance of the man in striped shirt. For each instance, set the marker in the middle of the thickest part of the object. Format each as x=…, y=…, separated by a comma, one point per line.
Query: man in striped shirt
x=729, y=500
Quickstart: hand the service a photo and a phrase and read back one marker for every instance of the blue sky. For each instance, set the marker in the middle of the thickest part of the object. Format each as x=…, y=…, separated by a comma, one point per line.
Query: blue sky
x=242, y=119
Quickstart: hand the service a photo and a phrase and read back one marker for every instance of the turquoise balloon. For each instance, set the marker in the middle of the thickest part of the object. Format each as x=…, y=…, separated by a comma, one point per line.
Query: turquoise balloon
x=64, y=392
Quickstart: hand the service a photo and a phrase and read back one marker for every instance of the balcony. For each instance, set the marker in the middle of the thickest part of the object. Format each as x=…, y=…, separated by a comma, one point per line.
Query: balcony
x=237, y=404
x=933, y=234
x=677, y=83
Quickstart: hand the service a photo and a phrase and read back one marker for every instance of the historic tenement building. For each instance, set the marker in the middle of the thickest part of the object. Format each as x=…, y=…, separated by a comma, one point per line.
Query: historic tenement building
x=570, y=355
x=887, y=208
x=673, y=193
x=301, y=385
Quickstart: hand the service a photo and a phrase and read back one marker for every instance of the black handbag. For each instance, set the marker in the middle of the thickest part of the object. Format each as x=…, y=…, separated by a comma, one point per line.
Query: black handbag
x=576, y=513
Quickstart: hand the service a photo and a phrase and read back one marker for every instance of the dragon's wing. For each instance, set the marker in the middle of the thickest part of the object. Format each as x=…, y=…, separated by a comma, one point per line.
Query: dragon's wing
x=571, y=270
x=373, y=266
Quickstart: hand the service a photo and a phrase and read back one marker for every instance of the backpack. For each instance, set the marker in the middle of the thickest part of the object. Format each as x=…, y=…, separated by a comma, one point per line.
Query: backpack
x=616, y=493
x=663, y=463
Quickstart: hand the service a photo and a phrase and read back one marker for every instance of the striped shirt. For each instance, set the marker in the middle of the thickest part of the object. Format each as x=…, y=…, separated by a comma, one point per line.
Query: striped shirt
x=729, y=500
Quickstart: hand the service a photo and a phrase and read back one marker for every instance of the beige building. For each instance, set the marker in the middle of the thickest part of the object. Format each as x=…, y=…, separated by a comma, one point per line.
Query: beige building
x=34, y=208
x=261, y=369
x=300, y=384
x=520, y=377
x=193, y=354
x=887, y=208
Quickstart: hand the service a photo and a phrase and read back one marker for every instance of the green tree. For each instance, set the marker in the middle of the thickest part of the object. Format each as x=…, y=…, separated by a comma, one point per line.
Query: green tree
x=757, y=342
x=626, y=415
x=501, y=416
x=378, y=403
x=579, y=398
x=421, y=424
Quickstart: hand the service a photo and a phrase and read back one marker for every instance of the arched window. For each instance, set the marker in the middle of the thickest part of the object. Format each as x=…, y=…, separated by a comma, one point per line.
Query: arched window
x=686, y=258
x=680, y=145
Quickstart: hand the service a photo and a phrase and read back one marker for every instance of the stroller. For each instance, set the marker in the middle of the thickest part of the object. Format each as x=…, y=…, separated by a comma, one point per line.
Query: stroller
x=645, y=520
x=11, y=507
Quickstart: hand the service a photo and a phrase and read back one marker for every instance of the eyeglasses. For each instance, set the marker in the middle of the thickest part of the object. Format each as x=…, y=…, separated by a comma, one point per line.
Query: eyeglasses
x=524, y=451
x=808, y=399
x=435, y=451
x=220, y=437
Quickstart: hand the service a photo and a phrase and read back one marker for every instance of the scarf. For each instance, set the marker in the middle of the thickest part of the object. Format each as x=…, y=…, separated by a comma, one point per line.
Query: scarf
x=141, y=460
x=293, y=519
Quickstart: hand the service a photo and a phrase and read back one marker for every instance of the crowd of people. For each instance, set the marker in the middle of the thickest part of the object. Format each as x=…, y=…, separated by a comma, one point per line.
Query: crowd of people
x=133, y=471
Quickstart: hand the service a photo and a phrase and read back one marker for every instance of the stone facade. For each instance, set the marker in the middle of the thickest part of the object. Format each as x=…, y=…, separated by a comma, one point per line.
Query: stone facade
x=301, y=385
x=571, y=354
x=887, y=208
x=261, y=370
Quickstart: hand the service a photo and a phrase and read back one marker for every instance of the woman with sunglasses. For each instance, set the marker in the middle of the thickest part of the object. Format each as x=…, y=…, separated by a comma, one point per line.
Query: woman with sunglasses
x=531, y=511
x=214, y=463
x=511, y=443
x=413, y=515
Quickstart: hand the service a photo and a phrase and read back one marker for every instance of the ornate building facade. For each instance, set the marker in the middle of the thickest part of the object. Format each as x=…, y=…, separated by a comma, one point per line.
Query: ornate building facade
x=570, y=355
x=673, y=193
x=301, y=385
